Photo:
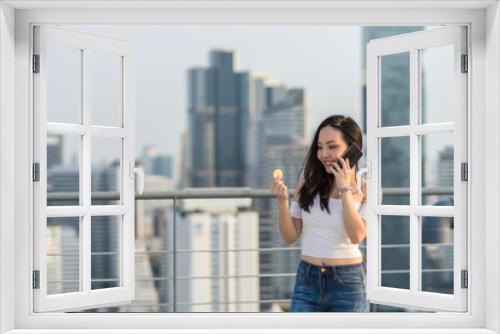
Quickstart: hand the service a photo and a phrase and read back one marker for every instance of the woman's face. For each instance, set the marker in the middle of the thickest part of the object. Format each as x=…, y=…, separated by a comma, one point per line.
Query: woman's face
x=331, y=145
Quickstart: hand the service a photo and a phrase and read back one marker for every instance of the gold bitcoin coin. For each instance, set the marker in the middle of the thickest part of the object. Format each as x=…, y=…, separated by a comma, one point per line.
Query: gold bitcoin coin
x=277, y=173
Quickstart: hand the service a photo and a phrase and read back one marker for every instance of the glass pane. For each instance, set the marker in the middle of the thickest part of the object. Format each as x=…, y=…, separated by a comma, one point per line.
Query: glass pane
x=395, y=89
x=437, y=99
x=399, y=280
x=63, y=255
x=64, y=84
x=395, y=254
x=437, y=169
x=106, y=170
x=105, y=251
x=153, y=256
x=395, y=170
x=63, y=169
x=106, y=89
x=437, y=254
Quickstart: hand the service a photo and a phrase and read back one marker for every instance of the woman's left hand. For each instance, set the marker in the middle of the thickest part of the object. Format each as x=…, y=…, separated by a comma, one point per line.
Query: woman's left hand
x=342, y=174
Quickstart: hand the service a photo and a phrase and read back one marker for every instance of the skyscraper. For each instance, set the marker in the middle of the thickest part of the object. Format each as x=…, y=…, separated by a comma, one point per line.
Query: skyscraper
x=218, y=104
x=281, y=143
x=237, y=136
x=220, y=274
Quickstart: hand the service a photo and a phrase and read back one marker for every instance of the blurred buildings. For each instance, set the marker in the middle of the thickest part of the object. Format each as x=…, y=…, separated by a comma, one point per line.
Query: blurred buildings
x=243, y=125
x=220, y=271
x=218, y=111
x=156, y=163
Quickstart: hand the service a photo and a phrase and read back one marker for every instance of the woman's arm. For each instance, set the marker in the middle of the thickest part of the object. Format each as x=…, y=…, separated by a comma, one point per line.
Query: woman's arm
x=290, y=228
x=354, y=225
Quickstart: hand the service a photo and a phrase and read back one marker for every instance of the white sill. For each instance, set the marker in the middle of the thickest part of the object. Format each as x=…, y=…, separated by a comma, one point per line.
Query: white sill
x=255, y=331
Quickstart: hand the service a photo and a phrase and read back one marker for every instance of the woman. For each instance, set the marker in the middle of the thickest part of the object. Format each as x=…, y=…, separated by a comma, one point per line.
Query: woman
x=328, y=212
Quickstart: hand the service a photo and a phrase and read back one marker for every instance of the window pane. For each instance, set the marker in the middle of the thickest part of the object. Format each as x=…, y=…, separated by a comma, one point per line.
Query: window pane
x=106, y=169
x=63, y=255
x=64, y=79
x=105, y=251
x=437, y=254
x=63, y=168
x=154, y=255
x=437, y=169
x=395, y=170
x=395, y=89
x=437, y=99
x=395, y=254
x=107, y=89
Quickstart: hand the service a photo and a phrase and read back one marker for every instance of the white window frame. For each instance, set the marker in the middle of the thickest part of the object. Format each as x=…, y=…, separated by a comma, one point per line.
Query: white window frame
x=483, y=18
x=85, y=297
x=413, y=43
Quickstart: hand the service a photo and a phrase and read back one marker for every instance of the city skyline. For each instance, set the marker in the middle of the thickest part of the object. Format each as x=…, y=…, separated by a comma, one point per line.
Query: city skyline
x=225, y=103
x=331, y=73
x=324, y=60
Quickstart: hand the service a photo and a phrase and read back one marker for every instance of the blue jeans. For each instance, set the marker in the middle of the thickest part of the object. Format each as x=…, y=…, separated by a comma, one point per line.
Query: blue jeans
x=330, y=288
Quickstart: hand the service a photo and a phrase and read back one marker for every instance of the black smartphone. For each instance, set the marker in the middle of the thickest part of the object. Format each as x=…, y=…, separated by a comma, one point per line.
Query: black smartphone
x=353, y=153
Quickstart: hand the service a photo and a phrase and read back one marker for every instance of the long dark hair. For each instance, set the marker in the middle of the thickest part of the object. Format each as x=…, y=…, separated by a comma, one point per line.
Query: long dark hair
x=316, y=179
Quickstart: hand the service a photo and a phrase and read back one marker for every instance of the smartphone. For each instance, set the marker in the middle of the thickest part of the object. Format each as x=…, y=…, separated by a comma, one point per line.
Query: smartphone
x=353, y=153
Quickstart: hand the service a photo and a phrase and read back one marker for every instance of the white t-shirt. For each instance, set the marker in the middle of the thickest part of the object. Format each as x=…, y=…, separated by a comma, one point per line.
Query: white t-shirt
x=323, y=233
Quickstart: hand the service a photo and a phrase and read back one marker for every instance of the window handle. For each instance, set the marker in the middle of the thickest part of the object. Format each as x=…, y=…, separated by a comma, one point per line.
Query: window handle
x=139, y=181
x=361, y=171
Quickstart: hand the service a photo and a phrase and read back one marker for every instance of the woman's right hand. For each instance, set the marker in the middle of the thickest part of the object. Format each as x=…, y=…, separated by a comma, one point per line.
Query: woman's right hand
x=279, y=189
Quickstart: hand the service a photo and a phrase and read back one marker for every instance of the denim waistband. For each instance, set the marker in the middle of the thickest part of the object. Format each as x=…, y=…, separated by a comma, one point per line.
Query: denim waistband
x=341, y=269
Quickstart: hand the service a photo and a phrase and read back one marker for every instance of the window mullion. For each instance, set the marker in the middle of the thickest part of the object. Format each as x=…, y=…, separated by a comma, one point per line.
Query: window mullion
x=86, y=175
x=414, y=171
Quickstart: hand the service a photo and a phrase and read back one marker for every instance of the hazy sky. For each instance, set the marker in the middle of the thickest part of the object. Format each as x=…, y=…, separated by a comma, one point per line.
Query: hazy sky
x=322, y=59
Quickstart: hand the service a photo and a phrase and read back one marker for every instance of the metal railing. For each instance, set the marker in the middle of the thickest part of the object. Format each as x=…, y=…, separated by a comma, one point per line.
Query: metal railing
x=202, y=193
x=219, y=193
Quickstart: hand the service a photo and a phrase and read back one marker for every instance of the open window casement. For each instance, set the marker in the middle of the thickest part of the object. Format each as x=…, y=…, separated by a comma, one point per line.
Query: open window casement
x=417, y=188
x=83, y=144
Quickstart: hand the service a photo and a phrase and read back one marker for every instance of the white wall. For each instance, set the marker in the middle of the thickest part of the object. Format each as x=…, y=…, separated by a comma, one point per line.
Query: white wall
x=6, y=166
x=492, y=163
x=488, y=120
